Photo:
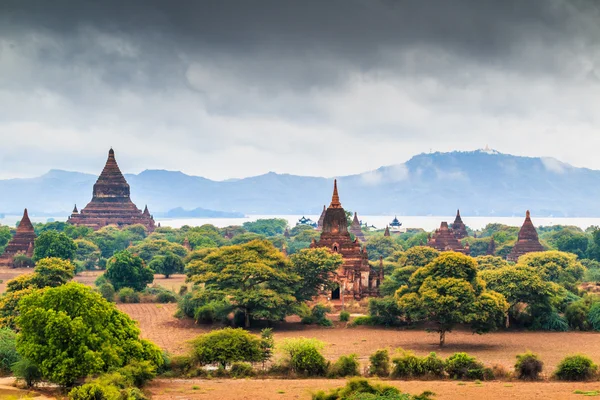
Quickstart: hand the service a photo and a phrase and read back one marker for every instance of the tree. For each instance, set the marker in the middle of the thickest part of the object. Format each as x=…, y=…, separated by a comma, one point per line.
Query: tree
x=167, y=265
x=127, y=270
x=266, y=227
x=381, y=246
x=87, y=253
x=71, y=332
x=148, y=249
x=556, y=266
x=316, y=268
x=226, y=346
x=54, y=244
x=447, y=292
x=111, y=239
x=571, y=241
x=490, y=262
x=256, y=277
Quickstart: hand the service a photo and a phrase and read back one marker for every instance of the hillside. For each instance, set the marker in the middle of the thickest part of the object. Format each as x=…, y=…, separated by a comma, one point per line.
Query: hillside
x=477, y=182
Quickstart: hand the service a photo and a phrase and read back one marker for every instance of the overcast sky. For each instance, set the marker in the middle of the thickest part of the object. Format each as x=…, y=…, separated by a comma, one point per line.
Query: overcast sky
x=228, y=89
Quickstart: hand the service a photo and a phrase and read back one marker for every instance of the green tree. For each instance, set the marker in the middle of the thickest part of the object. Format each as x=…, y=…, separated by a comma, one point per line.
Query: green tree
x=87, y=253
x=570, y=240
x=266, y=227
x=256, y=277
x=447, y=292
x=54, y=244
x=418, y=256
x=148, y=249
x=127, y=270
x=71, y=332
x=5, y=237
x=381, y=246
x=167, y=265
x=111, y=239
x=316, y=268
x=556, y=266
x=226, y=346
x=490, y=262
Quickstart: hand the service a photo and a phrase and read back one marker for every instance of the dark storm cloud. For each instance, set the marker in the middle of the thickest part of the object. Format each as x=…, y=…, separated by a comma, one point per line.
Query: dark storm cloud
x=272, y=82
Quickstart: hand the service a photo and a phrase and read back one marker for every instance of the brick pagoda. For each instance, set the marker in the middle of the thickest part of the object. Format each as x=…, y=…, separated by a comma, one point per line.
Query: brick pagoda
x=356, y=230
x=356, y=277
x=527, y=242
x=458, y=227
x=111, y=203
x=21, y=243
x=321, y=218
x=444, y=239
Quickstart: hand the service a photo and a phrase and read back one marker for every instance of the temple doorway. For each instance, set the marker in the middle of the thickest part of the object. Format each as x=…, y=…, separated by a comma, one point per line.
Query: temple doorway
x=335, y=294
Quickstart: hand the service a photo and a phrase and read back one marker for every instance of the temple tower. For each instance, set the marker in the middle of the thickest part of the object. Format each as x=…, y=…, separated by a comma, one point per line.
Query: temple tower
x=356, y=230
x=22, y=243
x=458, y=227
x=444, y=239
x=527, y=242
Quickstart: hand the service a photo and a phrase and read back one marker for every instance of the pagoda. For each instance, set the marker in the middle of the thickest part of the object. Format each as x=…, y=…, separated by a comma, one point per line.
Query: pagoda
x=395, y=224
x=491, y=250
x=444, y=239
x=111, y=203
x=21, y=243
x=321, y=218
x=386, y=233
x=355, y=276
x=356, y=230
x=458, y=227
x=527, y=242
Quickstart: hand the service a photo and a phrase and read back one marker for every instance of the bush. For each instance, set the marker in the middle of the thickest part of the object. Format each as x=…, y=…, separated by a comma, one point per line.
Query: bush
x=27, y=371
x=226, y=346
x=166, y=297
x=463, y=366
x=138, y=372
x=344, y=316
x=528, y=366
x=345, y=366
x=101, y=280
x=362, y=389
x=407, y=366
x=214, y=311
x=308, y=361
x=384, y=311
x=433, y=366
x=22, y=261
x=128, y=295
x=364, y=320
x=575, y=368
x=594, y=316
x=8, y=350
x=318, y=315
x=94, y=391
x=180, y=364
x=576, y=315
x=552, y=321
x=241, y=370
x=108, y=291
x=380, y=363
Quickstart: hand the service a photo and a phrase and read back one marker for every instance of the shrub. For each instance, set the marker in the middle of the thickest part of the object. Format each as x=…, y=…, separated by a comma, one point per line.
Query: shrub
x=27, y=371
x=181, y=364
x=576, y=315
x=362, y=389
x=594, y=316
x=528, y=366
x=364, y=320
x=8, y=350
x=308, y=361
x=241, y=370
x=128, y=295
x=95, y=391
x=166, y=296
x=108, y=291
x=575, y=368
x=344, y=316
x=138, y=372
x=345, y=366
x=214, y=311
x=380, y=363
x=406, y=366
x=384, y=311
x=22, y=261
x=226, y=346
x=432, y=365
x=318, y=315
x=552, y=321
x=101, y=280
x=463, y=366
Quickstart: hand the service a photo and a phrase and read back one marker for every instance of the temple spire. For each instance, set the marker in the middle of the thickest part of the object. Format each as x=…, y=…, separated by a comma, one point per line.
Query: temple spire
x=335, y=199
x=75, y=211
x=387, y=231
x=25, y=223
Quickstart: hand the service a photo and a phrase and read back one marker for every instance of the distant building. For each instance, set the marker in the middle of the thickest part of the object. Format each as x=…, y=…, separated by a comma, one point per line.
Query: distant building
x=111, y=202
x=22, y=243
x=459, y=228
x=356, y=230
x=356, y=277
x=444, y=239
x=491, y=250
x=321, y=218
x=306, y=221
x=527, y=242
x=395, y=225
x=386, y=233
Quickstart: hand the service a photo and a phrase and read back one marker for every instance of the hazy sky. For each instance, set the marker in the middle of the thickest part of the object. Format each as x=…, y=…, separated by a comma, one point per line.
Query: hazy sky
x=326, y=87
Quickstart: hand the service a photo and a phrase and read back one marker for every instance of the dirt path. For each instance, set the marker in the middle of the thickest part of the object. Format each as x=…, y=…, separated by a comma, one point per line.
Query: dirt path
x=276, y=389
x=8, y=391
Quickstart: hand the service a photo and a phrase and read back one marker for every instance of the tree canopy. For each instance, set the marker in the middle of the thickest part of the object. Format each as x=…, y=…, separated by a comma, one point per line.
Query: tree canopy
x=316, y=268
x=54, y=244
x=126, y=270
x=167, y=265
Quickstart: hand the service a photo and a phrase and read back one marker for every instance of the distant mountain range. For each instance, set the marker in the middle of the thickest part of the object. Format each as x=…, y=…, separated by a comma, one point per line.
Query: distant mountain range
x=482, y=182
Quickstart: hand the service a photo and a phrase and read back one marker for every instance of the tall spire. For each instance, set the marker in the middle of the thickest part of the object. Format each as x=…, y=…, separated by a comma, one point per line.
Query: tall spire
x=335, y=199
x=387, y=231
x=75, y=209
x=25, y=223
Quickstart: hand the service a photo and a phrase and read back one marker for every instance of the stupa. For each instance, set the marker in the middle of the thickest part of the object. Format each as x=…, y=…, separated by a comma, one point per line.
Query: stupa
x=491, y=250
x=444, y=239
x=356, y=230
x=321, y=218
x=21, y=243
x=458, y=227
x=355, y=276
x=527, y=242
x=386, y=233
x=111, y=202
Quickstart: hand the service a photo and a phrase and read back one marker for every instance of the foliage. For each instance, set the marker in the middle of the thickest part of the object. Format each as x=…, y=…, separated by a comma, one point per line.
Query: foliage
x=87, y=253
x=550, y=321
x=128, y=295
x=54, y=244
x=267, y=344
x=418, y=256
x=226, y=346
x=71, y=332
x=318, y=315
x=266, y=227
x=409, y=365
x=447, y=292
x=167, y=265
x=575, y=368
x=127, y=270
x=257, y=279
x=555, y=266
x=362, y=389
x=8, y=350
x=315, y=268
x=463, y=366
x=345, y=366
x=27, y=371
x=594, y=316
x=213, y=311
x=148, y=249
x=241, y=370
x=22, y=261
x=379, y=363
x=490, y=262
x=304, y=357
x=385, y=311
x=108, y=292
x=528, y=366
x=381, y=246
x=344, y=316
x=48, y=272
x=576, y=315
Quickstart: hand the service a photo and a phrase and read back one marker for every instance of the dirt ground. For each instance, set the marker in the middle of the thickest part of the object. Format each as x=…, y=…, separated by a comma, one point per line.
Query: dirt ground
x=277, y=389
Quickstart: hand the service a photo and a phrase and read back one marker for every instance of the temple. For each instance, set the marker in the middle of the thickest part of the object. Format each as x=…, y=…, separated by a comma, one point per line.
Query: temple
x=527, y=242
x=356, y=230
x=444, y=239
x=111, y=203
x=458, y=227
x=321, y=218
x=491, y=250
x=21, y=243
x=356, y=278
x=395, y=225
x=386, y=233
